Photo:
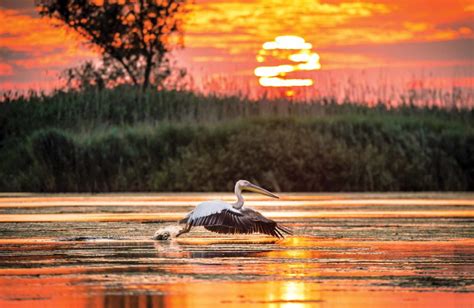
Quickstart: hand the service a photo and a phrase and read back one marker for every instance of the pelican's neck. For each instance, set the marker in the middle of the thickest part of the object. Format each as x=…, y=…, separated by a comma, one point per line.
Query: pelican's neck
x=240, y=198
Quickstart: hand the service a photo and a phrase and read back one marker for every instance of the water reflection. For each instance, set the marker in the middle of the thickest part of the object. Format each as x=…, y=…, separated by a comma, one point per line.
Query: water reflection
x=231, y=294
x=129, y=301
x=333, y=260
x=175, y=249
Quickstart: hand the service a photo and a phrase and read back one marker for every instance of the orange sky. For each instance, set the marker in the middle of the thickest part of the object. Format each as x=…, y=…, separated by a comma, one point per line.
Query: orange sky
x=222, y=38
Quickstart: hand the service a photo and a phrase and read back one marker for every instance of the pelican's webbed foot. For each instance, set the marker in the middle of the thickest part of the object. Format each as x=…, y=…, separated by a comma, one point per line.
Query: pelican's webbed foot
x=184, y=230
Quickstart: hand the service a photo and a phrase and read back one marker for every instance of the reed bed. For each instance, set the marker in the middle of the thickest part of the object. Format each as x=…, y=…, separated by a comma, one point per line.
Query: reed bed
x=124, y=140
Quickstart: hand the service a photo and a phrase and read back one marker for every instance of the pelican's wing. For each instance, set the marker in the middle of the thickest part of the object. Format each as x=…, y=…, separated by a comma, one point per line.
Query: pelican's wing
x=249, y=221
x=210, y=213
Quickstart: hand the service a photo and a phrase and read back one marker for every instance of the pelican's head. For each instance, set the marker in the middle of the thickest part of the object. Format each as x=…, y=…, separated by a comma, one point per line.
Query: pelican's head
x=246, y=185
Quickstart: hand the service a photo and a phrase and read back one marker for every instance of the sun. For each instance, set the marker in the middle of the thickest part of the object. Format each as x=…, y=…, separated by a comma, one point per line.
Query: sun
x=286, y=55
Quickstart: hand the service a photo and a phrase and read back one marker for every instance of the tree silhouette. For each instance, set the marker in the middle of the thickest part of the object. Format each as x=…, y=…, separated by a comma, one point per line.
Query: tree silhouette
x=134, y=37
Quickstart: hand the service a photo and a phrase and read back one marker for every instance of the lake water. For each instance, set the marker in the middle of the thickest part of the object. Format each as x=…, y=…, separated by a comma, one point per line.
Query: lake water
x=377, y=250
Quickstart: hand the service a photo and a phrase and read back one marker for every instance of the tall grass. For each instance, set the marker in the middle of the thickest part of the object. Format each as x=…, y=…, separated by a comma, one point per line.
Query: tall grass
x=123, y=140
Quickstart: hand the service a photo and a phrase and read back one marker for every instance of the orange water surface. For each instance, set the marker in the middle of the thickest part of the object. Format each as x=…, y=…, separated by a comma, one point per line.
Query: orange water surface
x=413, y=250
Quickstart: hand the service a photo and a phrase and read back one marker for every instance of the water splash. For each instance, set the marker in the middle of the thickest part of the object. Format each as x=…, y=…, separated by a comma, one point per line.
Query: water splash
x=166, y=232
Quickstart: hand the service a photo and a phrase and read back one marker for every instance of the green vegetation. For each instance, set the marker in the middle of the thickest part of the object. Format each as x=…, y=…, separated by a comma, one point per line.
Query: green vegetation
x=126, y=140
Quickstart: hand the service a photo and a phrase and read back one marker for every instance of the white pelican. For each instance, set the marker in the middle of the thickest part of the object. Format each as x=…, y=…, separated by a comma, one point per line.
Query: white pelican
x=221, y=217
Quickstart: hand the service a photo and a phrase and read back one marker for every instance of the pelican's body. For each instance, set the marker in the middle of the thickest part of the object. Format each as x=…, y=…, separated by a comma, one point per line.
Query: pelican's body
x=222, y=217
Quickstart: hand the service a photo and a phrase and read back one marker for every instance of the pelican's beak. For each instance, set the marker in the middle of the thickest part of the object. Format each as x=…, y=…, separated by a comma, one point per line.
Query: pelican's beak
x=260, y=190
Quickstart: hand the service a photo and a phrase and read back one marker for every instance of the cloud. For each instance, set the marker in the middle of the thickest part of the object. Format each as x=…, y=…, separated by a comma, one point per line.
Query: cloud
x=5, y=69
x=263, y=20
x=32, y=48
x=223, y=36
x=25, y=7
x=459, y=50
x=6, y=55
x=30, y=34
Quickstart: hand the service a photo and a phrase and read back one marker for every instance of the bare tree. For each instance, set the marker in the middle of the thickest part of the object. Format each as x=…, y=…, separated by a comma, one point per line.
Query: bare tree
x=134, y=36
